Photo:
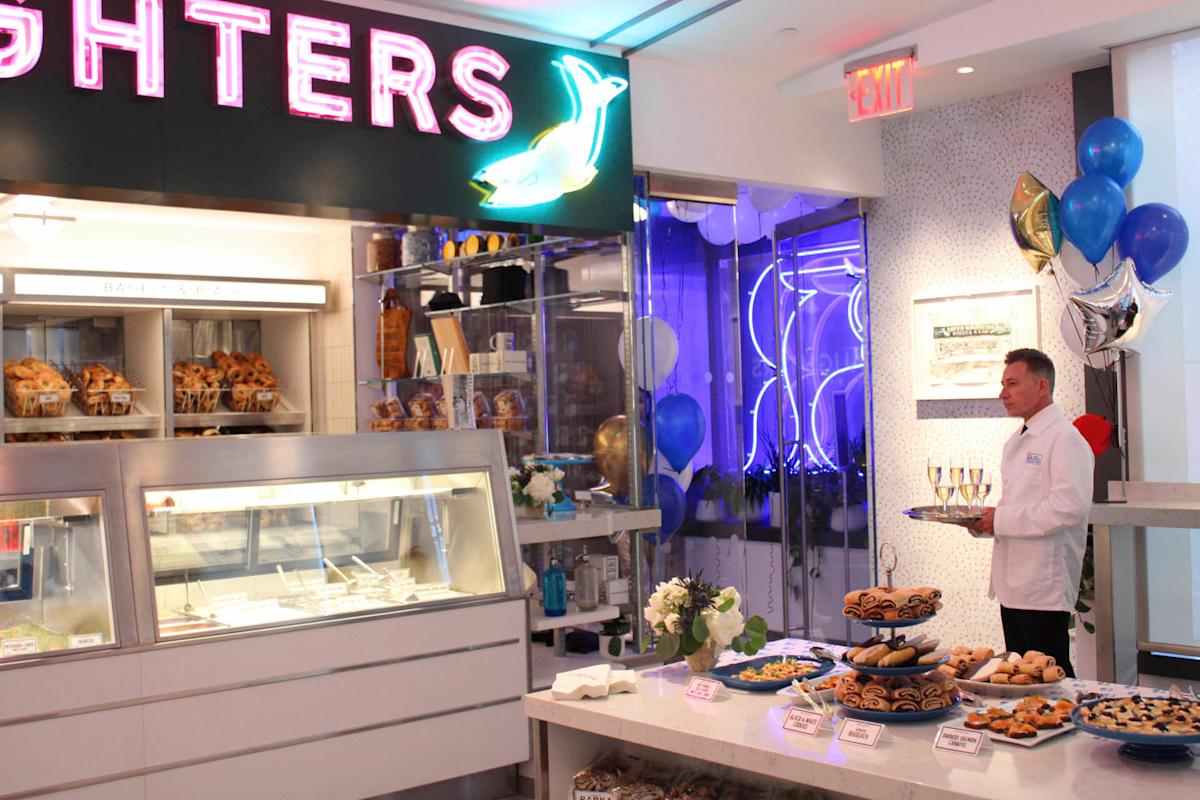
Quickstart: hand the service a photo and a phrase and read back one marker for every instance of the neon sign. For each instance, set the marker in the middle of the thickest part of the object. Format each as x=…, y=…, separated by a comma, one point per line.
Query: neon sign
x=24, y=28
x=304, y=66
x=880, y=89
x=231, y=20
x=563, y=159
x=413, y=85
x=92, y=33
x=466, y=63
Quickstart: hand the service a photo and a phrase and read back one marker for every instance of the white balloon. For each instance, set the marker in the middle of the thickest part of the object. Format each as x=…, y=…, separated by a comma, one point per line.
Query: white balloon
x=717, y=227
x=688, y=211
x=792, y=209
x=654, y=363
x=1071, y=327
x=749, y=221
x=766, y=199
x=683, y=477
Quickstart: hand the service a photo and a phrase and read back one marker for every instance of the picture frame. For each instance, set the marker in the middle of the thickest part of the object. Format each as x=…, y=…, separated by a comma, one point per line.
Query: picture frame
x=959, y=341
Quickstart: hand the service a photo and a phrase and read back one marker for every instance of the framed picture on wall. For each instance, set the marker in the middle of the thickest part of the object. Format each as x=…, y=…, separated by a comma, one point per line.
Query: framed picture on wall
x=959, y=342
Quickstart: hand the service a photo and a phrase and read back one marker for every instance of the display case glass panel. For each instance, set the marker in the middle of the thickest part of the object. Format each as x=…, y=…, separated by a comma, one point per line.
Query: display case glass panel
x=55, y=591
x=235, y=557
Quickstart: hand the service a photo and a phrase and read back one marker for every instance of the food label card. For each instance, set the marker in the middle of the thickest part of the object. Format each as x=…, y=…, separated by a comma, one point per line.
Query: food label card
x=588, y=794
x=864, y=734
x=959, y=740
x=25, y=646
x=702, y=689
x=85, y=640
x=802, y=720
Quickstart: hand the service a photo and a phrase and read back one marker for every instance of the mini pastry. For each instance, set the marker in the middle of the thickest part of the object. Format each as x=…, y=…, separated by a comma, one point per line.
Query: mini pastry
x=1053, y=674
x=995, y=712
x=982, y=654
x=875, y=704
x=1001, y=678
x=977, y=721
x=1046, y=721
x=870, y=657
x=1022, y=680
x=1001, y=725
x=1020, y=730
x=927, y=646
x=906, y=706
x=931, y=657
x=1006, y=668
x=898, y=658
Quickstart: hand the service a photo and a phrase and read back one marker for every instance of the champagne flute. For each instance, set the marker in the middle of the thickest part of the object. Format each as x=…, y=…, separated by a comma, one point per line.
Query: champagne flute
x=956, y=473
x=933, y=468
x=969, y=490
x=945, y=490
x=984, y=487
x=975, y=469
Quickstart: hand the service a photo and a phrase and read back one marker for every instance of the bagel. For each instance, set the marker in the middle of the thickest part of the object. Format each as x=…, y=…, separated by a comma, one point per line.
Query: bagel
x=270, y=382
x=214, y=376
x=44, y=380
x=251, y=376
x=23, y=373
x=25, y=385
x=196, y=370
x=217, y=355
x=261, y=365
x=236, y=374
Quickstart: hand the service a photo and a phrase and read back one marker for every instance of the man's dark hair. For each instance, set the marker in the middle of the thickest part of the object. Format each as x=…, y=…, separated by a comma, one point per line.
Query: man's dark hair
x=1036, y=361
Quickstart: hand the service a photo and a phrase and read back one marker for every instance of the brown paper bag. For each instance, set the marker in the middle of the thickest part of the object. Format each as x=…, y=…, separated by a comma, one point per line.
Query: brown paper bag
x=391, y=336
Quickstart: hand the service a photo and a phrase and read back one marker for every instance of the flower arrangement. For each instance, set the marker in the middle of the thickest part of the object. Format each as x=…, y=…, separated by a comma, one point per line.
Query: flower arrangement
x=698, y=620
x=535, y=484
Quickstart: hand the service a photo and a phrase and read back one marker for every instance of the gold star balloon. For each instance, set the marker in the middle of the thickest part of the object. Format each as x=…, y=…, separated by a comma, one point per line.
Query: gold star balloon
x=1033, y=216
x=1118, y=312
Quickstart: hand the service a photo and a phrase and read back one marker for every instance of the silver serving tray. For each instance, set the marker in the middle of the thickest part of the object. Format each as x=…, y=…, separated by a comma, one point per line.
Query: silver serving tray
x=935, y=514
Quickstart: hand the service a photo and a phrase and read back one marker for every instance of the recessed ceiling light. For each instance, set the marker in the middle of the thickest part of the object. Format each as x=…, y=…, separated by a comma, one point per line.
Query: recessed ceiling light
x=965, y=70
x=787, y=31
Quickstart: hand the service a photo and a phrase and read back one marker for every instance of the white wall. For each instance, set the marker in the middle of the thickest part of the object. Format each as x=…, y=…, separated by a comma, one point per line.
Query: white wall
x=1156, y=86
x=731, y=126
x=942, y=229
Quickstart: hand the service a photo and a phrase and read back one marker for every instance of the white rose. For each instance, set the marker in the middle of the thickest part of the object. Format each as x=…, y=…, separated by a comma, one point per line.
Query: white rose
x=722, y=628
x=540, y=488
x=557, y=474
x=653, y=615
x=729, y=593
x=672, y=622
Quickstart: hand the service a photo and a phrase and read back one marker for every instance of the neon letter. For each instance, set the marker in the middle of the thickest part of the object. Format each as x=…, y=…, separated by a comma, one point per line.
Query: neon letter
x=231, y=20
x=305, y=66
x=414, y=85
x=21, y=54
x=466, y=63
x=92, y=33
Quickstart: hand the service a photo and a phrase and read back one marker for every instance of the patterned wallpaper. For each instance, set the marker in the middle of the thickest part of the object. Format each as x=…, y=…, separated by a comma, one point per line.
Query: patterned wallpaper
x=942, y=229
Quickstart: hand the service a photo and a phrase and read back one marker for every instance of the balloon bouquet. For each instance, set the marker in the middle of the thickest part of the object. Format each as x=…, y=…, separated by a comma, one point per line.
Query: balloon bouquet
x=1150, y=240
x=679, y=424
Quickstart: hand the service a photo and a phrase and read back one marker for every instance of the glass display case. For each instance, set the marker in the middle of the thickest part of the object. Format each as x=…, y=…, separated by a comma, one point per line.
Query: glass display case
x=242, y=556
x=54, y=579
x=243, y=533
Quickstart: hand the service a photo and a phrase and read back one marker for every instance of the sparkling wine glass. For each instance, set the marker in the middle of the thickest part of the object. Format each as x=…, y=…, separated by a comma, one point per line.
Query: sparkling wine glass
x=984, y=487
x=974, y=469
x=956, y=473
x=945, y=490
x=933, y=468
x=969, y=491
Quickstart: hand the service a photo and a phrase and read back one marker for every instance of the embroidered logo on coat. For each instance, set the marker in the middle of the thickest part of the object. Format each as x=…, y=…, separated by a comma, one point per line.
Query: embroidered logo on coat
x=1033, y=458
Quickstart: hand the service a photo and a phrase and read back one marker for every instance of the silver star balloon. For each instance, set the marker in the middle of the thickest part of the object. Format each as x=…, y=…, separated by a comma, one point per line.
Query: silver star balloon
x=1118, y=312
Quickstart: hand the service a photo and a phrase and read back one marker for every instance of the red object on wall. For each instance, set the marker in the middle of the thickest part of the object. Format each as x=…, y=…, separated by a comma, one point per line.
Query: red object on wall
x=877, y=90
x=10, y=536
x=1097, y=431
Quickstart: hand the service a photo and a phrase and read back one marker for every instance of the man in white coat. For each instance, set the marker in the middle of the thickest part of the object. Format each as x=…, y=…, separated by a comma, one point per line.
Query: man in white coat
x=1040, y=522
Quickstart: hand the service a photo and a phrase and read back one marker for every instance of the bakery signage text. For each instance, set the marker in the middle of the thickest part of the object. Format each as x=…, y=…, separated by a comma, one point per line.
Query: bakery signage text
x=401, y=65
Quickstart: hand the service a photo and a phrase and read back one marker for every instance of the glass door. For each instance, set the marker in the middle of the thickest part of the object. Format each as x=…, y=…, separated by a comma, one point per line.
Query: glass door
x=812, y=415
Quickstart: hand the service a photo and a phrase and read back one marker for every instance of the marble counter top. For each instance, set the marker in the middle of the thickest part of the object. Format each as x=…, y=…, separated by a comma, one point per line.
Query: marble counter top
x=743, y=730
x=1148, y=514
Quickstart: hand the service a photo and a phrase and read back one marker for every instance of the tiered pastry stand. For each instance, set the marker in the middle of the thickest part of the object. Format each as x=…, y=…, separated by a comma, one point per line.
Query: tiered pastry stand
x=888, y=558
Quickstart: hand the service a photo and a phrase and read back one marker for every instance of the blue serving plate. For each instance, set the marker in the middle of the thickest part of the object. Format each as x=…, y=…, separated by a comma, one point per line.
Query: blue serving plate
x=728, y=673
x=892, y=623
x=1128, y=737
x=890, y=672
x=901, y=716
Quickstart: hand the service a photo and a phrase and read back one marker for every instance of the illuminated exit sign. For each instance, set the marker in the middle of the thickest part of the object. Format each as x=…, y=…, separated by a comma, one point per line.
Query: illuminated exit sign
x=880, y=85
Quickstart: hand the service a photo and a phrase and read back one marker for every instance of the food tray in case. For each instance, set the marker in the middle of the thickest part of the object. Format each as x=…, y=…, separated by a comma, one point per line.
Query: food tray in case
x=728, y=673
x=894, y=672
x=899, y=716
x=36, y=402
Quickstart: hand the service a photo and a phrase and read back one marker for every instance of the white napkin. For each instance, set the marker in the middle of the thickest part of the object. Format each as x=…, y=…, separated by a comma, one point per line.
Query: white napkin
x=598, y=681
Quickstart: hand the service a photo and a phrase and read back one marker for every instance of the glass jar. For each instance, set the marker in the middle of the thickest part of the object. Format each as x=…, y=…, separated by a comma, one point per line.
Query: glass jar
x=381, y=252
x=587, y=584
x=419, y=246
x=554, y=590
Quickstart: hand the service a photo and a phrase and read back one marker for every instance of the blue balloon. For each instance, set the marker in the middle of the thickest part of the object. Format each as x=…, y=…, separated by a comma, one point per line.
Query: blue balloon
x=671, y=501
x=1112, y=147
x=680, y=428
x=1155, y=236
x=1091, y=212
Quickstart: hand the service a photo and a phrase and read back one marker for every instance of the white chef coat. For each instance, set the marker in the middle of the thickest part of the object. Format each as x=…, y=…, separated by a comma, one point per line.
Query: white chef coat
x=1041, y=518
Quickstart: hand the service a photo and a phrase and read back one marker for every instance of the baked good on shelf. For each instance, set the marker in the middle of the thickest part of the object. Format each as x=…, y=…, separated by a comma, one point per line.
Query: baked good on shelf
x=880, y=603
x=35, y=388
x=904, y=694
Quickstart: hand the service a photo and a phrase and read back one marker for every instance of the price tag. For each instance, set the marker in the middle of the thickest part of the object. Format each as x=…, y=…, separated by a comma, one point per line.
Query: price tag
x=265, y=397
x=121, y=398
x=805, y=721
x=231, y=599
x=958, y=740
x=18, y=647
x=588, y=794
x=48, y=399
x=864, y=734
x=702, y=689
x=85, y=640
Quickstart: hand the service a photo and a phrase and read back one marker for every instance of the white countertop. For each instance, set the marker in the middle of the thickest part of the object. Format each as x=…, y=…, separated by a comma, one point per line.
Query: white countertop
x=1147, y=513
x=743, y=730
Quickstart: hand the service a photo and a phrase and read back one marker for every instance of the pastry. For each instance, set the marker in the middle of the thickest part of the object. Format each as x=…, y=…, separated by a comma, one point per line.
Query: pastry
x=976, y=721
x=1001, y=678
x=1023, y=680
x=1002, y=724
x=1053, y=674
x=932, y=657
x=1020, y=730
x=871, y=656
x=898, y=658
x=875, y=704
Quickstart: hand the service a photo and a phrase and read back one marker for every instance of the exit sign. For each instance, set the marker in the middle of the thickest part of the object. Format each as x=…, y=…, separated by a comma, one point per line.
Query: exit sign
x=880, y=85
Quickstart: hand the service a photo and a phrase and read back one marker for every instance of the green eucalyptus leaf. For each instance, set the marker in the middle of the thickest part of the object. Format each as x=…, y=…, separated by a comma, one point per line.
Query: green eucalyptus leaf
x=753, y=647
x=1089, y=627
x=699, y=629
x=667, y=646
x=728, y=604
x=688, y=643
x=757, y=624
x=739, y=643
x=615, y=646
